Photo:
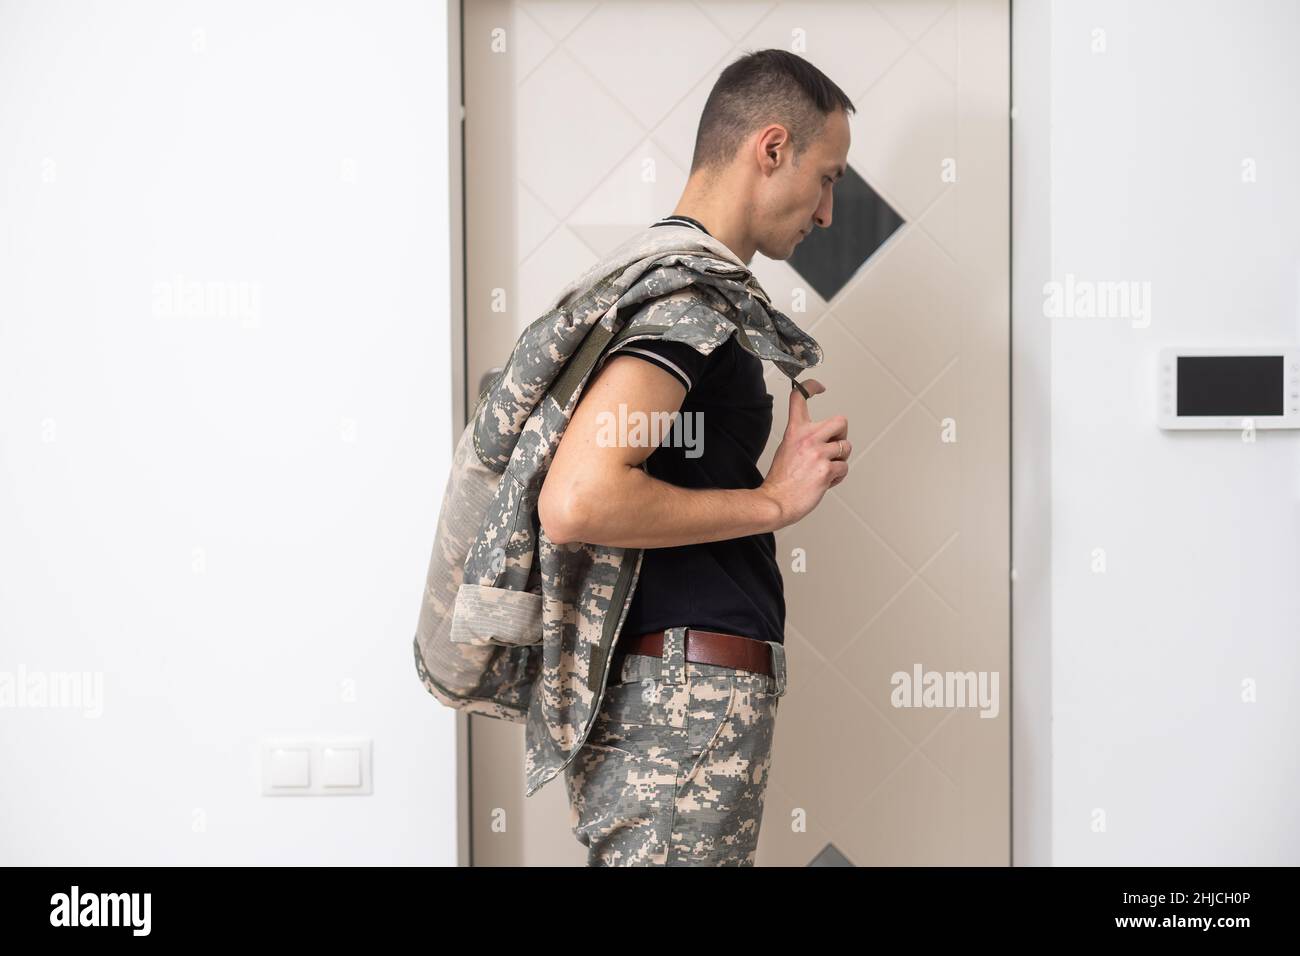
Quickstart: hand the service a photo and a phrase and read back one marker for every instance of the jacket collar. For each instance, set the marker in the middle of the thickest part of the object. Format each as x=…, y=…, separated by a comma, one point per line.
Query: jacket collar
x=639, y=252
x=696, y=251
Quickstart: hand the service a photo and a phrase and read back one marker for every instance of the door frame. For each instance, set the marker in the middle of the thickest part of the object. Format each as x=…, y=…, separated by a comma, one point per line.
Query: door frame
x=458, y=312
x=1029, y=430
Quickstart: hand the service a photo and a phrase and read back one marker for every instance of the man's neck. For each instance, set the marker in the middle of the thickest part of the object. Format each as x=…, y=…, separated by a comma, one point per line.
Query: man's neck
x=727, y=224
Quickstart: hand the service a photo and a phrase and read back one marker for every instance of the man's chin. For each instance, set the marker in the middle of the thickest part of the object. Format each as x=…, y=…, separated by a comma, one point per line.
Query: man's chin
x=777, y=255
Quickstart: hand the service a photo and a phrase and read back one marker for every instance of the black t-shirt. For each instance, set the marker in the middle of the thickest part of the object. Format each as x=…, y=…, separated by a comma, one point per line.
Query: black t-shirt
x=732, y=586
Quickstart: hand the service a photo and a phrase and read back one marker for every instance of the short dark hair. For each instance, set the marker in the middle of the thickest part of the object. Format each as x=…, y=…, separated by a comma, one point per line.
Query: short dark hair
x=764, y=86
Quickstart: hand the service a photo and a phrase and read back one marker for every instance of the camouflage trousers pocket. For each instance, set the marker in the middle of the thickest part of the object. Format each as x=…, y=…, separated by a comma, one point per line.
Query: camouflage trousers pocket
x=775, y=683
x=675, y=768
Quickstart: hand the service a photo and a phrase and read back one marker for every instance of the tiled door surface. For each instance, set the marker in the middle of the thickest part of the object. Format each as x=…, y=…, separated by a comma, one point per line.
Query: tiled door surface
x=579, y=125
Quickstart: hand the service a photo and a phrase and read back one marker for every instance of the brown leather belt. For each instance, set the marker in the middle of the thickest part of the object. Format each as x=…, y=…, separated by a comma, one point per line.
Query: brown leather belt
x=704, y=647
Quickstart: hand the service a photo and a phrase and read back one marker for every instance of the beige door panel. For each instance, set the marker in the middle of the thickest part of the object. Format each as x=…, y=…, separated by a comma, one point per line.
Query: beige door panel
x=906, y=564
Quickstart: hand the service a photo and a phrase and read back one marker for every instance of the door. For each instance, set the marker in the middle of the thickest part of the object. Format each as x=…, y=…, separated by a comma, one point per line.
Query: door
x=893, y=741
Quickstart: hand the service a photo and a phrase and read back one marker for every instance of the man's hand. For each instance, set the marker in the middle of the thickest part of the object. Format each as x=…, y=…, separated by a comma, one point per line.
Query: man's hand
x=806, y=462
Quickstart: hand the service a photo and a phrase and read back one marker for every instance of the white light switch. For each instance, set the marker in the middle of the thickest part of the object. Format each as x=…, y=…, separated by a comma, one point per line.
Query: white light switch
x=290, y=767
x=342, y=767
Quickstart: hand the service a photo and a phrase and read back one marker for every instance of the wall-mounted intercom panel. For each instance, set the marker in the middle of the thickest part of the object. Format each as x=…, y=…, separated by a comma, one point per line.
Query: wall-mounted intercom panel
x=1230, y=387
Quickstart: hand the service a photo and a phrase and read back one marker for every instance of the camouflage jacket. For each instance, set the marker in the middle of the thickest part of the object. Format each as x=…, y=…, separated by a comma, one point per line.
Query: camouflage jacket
x=673, y=282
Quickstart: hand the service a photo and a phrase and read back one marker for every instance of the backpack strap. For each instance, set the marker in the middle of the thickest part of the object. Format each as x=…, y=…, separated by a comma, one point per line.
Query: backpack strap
x=592, y=345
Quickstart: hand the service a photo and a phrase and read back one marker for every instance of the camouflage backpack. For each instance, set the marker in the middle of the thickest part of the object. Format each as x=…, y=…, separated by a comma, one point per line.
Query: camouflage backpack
x=475, y=643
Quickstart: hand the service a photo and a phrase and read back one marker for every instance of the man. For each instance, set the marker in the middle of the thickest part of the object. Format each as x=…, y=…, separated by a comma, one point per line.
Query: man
x=675, y=768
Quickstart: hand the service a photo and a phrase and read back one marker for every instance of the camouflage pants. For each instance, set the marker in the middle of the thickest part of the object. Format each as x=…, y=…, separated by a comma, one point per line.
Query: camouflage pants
x=675, y=769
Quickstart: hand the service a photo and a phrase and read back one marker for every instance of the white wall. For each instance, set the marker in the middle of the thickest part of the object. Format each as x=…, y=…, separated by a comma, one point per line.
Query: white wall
x=1140, y=670
x=225, y=512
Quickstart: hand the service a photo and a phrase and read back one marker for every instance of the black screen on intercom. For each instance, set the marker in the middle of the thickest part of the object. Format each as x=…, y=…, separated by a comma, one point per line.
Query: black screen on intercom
x=1230, y=385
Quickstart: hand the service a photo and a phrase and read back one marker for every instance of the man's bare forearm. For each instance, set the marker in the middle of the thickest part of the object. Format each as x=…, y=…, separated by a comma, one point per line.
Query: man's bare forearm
x=636, y=510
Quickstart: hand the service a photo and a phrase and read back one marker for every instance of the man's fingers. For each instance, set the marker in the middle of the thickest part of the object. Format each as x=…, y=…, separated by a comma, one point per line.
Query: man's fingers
x=837, y=426
x=836, y=446
x=798, y=404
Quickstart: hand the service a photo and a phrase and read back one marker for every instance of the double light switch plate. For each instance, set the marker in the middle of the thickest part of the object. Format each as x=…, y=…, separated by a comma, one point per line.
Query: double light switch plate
x=316, y=766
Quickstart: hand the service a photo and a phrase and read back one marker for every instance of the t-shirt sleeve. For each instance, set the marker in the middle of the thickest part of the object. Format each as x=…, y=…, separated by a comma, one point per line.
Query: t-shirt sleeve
x=677, y=358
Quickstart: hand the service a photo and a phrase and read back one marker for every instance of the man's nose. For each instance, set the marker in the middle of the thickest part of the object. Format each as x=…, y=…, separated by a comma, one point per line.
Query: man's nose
x=823, y=215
